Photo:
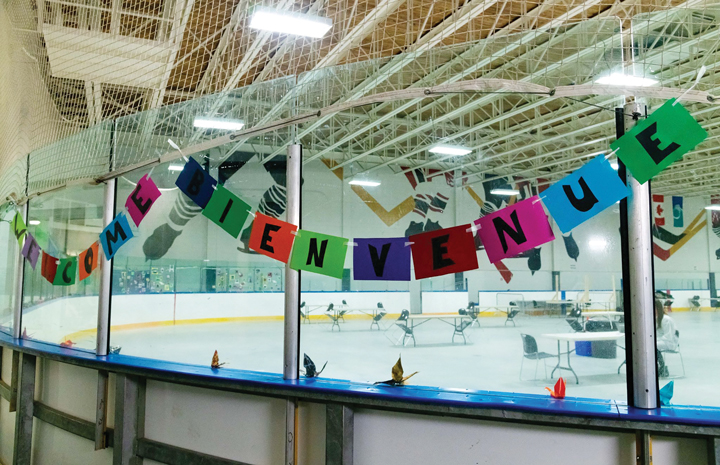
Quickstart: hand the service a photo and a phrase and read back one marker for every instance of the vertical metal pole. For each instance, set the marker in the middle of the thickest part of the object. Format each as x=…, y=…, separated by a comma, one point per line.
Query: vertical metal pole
x=640, y=280
x=643, y=448
x=103, y=318
x=291, y=353
x=19, y=279
x=101, y=410
x=292, y=277
x=22, y=452
x=127, y=420
x=339, y=434
x=713, y=451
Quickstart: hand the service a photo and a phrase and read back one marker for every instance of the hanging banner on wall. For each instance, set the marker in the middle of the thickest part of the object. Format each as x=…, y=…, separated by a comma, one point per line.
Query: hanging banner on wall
x=115, y=235
x=385, y=259
x=677, y=203
x=226, y=210
x=319, y=253
x=272, y=237
x=196, y=183
x=443, y=251
x=514, y=229
x=66, y=271
x=31, y=250
x=18, y=228
x=49, y=267
x=88, y=260
x=141, y=199
x=658, y=141
x=658, y=209
x=583, y=194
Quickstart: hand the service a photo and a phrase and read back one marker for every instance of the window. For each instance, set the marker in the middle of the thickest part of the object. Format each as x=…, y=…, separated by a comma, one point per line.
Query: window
x=8, y=271
x=64, y=223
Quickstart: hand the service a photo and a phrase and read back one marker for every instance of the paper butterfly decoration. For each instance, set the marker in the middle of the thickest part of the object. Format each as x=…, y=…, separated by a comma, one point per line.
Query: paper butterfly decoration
x=558, y=392
x=216, y=361
x=397, y=375
x=310, y=370
x=666, y=393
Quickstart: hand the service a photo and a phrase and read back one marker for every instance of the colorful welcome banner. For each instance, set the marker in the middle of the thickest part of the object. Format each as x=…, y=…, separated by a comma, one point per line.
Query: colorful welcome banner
x=650, y=147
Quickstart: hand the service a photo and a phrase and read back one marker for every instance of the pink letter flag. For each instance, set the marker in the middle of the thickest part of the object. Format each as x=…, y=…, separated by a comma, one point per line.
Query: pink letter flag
x=514, y=229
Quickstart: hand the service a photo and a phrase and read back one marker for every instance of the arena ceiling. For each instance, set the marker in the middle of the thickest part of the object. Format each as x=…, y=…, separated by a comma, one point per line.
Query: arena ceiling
x=107, y=59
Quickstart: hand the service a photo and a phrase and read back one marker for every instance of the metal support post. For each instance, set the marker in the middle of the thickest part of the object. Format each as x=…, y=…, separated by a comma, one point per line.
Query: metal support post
x=643, y=448
x=339, y=430
x=713, y=450
x=101, y=410
x=17, y=309
x=291, y=353
x=102, y=344
x=640, y=282
x=129, y=419
x=22, y=452
x=103, y=321
x=14, y=380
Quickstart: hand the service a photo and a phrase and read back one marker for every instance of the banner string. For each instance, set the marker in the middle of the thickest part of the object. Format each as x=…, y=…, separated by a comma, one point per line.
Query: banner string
x=700, y=73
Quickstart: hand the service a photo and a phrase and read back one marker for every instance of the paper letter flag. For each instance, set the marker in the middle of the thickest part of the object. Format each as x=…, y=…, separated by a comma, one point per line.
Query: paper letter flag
x=115, y=235
x=49, y=267
x=196, y=183
x=381, y=260
x=319, y=253
x=88, y=261
x=272, y=237
x=31, y=250
x=142, y=199
x=18, y=227
x=514, y=229
x=655, y=143
x=443, y=251
x=66, y=271
x=226, y=210
x=583, y=194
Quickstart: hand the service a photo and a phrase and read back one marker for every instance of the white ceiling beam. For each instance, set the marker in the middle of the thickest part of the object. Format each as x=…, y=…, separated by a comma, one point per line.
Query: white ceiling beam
x=181, y=15
x=506, y=50
x=228, y=32
x=388, y=143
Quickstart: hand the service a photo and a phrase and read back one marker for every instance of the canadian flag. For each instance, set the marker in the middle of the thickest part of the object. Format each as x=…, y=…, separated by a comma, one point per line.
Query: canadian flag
x=659, y=209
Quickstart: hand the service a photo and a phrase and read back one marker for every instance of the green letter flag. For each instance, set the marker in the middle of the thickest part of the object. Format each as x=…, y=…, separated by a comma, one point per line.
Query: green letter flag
x=319, y=253
x=226, y=210
x=66, y=271
x=655, y=143
x=18, y=227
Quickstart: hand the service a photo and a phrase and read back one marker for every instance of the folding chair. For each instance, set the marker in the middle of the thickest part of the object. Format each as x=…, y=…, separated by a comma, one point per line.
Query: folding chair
x=408, y=332
x=530, y=352
x=330, y=312
x=378, y=316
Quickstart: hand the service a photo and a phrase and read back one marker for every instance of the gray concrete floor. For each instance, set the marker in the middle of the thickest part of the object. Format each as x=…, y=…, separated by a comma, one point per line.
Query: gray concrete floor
x=489, y=361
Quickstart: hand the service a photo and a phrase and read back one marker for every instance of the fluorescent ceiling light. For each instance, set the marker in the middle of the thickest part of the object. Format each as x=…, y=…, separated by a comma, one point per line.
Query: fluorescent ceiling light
x=175, y=167
x=509, y=192
x=364, y=183
x=709, y=207
x=287, y=22
x=218, y=123
x=614, y=165
x=34, y=222
x=450, y=150
x=620, y=79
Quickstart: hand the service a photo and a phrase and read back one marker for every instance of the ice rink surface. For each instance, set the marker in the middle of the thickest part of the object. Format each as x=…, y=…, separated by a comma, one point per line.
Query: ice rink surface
x=490, y=360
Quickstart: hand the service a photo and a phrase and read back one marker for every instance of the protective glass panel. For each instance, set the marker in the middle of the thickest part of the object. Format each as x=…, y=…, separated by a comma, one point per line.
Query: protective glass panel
x=187, y=284
x=397, y=169
x=64, y=223
x=9, y=251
